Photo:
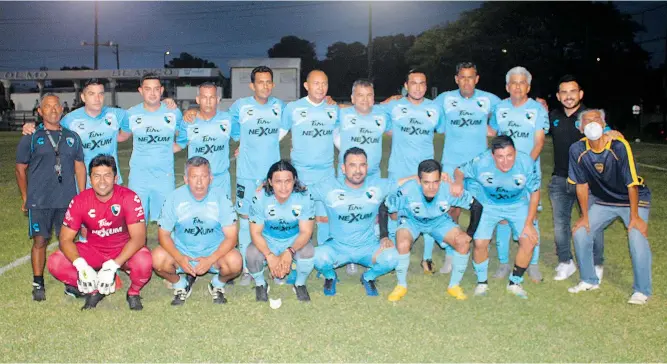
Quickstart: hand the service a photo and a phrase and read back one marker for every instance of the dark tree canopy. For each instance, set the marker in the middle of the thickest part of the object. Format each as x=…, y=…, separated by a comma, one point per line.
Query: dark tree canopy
x=186, y=60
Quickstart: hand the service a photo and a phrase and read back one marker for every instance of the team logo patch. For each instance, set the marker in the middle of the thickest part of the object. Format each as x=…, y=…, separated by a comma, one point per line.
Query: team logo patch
x=480, y=103
x=331, y=114
x=223, y=127
x=416, y=208
x=276, y=110
x=378, y=122
x=429, y=113
x=254, y=199
x=107, y=120
x=271, y=210
x=519, y=179
x=115, y=209
x=70, y=141
x=404, y=110
x=486, y=178
x=35, y=227
x=353, y=121
x=303, y=114
x=91, y=213
x=530, y=115
x=296, y=210
x=138, y=121
x=370, y=194
x=40, y=141
x=81, y=126
x=599, y=167
x=443, y=206
x=167, y=119
x=454, y=103
x=249, y=112
x=556, y=122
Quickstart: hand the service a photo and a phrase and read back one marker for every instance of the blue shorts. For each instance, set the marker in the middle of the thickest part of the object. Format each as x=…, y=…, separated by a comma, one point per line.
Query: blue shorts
x=438, y=229
x=212, y=270
x=277, y=246
x=223, y=181
x=515, y=214
x=342, y=254
x=152, y=194
x=245, y=191
x=314, y=177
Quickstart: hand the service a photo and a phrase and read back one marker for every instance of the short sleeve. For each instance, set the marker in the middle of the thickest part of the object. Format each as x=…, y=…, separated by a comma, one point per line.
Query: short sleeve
x=463, y=201
x=24, y=149
x=533, y=180
x=179, y=118
x=542, y=119
x=122, y=116
x=575, y=173
x=226, y=214
x=73, y=218
x=308, y=208
x=469, y=168
x=182, y=136
x=234, y=117
x=134, y=211
x=256, y=215
x=493, y=122
x=286, y=117
x=317, y=191
x=395, y=200
x=441, y=120
x=168, y=218
x=125, y=123
x=627, y=160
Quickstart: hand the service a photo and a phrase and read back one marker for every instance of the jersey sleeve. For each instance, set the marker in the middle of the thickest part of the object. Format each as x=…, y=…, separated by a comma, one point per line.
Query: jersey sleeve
x=226, y=214
x=73, y=215
x=575, y=174
x=308, y=208
x=66, y=121
x=256, y=214
x=542, y=122
x=182, y=135
x=395, y=200
x=493, y=122
x=234, y=117
x=469, y=168
x=122, y=116
x=463, y=201
x=317, y=191
x=533, y=180
x=125, y=123
x=627, y=160
x=286, y=117
x=134, y=211
x=24, y=149
x=167, y=220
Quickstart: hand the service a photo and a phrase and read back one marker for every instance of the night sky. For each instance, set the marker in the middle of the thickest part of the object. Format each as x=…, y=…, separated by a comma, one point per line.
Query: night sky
x=36, y=34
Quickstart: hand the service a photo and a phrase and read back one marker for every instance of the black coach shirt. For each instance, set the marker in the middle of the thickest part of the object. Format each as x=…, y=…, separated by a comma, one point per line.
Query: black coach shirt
x=564, y=133
x=44, y=190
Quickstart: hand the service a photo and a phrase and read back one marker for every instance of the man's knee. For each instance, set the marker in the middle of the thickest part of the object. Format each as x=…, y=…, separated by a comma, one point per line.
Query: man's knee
x=56, y=262
x=161, y=259
x=388, y=258
x=232, y=262
x=404, y=241
x=307, y=252
x=323, y=257
x=254, y=259
x=39, y=242
x=141, y=261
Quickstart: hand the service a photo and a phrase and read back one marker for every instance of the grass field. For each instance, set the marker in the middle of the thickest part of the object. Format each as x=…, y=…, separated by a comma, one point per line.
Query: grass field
x=426, y=326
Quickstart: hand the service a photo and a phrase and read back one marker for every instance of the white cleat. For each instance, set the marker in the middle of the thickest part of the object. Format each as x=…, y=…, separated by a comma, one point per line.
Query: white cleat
x=638, y=298
x=565, y=270
x=447, y=265
x=582, y=287
x=481, y=289
x=517, y=290
x=599, y=271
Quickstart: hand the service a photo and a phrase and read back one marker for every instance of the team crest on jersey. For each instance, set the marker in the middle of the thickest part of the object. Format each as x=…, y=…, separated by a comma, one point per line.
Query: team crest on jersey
x=519, y=179
x=530, y=115
x=70, y=141
x=416, y=208
x=138, y=121
x=169, y=118
x=275, y=109
x=443, y=206
x=487, y=178
x=599, y=167
x=271, y=210
x=429, y=113
x=378, y=122
x=249, y=112
x=331, y=114
x=480, y=103
x=223, y=127
x=108, y=119
x=115, y=209
x=404, y=110
x=296, y=210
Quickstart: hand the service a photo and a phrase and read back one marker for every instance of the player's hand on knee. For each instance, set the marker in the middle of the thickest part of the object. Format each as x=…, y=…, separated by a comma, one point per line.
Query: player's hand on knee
x=190, y=115
x=87, y=281
x=273, y=262
x=386, y=243
x=529, y=232
x=184, y=262
x=639, y=224
x=106, y=277
x=203, y=265
x=582, y=222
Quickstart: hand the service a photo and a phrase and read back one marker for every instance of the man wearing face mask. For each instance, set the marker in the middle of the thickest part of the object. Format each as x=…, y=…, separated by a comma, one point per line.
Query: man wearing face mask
x=607, y=167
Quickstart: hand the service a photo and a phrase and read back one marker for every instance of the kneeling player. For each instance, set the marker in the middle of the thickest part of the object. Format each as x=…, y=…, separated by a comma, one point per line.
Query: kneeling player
x=282, y=218
x=507, y=178
x=197, y=235
x=423, y=208
x=116, y=235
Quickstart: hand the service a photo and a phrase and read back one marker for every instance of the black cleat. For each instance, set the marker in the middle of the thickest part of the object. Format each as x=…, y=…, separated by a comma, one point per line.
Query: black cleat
x=73, y=291
x=217, y=293
x=134, y=302
x=92, y=300
x=262, y=293
x=302, y=293
x=38, y=292
x=182, y=294
x=427, y=265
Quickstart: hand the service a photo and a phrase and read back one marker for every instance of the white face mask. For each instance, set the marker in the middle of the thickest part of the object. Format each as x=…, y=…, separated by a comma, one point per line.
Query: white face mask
x=593, y=131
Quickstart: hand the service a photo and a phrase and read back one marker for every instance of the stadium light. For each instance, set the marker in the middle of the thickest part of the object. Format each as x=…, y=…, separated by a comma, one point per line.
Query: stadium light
x=164, y=58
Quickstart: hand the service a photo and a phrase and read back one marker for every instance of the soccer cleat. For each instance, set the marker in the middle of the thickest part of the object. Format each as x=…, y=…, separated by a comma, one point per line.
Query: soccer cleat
x=482, y=289
x=457, y=292
x=73, y=291
x=369, y=286
x=38, y=292
x=301, y=293
x=534, y=273
x=262, y=293
x=638, y=298
x=397, y=293
x=218, y=294
x=583, y=286
x=182, y=294
x=134, y=302
x=428, y=266
x=502, y=271
x=599, y=271
x=517, y=290
x=447, y=265
x=92, y=299
x=565, y=270
x=351, y=269
x=245, y=280
x=329, y=287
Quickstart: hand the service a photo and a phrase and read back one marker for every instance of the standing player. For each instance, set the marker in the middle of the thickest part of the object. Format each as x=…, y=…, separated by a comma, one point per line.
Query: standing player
x=423, y=207
x=46, y=164
x=208, y=136
x=153, y=127
x=312, y=121
x=197, y=235
x=414, y=120
x=466, y=127
x=507, y=177
x=281, y=224
x=116, y=237
x=526, y=122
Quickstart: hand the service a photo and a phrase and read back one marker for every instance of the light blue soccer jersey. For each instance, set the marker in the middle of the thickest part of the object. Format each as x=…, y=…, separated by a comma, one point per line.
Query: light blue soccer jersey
x=281, y=220
x=153, y=135
x=196, y=226
x=312, y=129
x=409, y=201
x=501, y=188
x=258, y=127
x=365, y=132
x=520, y=123
x=352, y=212
x=208, y=139
x=465, y=124
x=98, y=134
x=413, y=127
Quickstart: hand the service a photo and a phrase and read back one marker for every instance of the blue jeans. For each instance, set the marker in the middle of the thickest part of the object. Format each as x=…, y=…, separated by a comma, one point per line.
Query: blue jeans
x=563, y=196
x=601, y=216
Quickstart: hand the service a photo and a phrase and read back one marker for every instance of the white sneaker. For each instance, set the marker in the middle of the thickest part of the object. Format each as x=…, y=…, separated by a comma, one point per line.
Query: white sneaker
x=638, y=298
x=583, y=286
x=599, y=271
x=481, y=289
x=447, y=265
x=565, y=270
x=517, y=290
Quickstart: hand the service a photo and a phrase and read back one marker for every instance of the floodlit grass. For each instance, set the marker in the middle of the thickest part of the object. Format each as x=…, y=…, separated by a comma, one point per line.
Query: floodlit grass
x=426, y=326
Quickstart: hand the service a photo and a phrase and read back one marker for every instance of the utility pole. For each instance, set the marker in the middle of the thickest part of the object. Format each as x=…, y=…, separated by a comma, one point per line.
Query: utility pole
x=370, y=40
x=95, y=38
x=117, y=55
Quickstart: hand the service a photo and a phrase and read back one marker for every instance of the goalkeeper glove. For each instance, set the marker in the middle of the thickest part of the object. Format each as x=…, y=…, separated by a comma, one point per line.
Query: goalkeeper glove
x=87, y=281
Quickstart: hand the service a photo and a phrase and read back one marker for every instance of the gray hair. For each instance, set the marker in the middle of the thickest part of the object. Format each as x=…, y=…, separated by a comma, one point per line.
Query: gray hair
x=197, y=162
x=465, y=65
x=580, y=117
x=362, y=83
x=207, y=85
x=518, y=70
x=49, y=94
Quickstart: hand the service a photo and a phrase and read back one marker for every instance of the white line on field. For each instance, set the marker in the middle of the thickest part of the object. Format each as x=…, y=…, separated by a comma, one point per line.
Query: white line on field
x=652, y=166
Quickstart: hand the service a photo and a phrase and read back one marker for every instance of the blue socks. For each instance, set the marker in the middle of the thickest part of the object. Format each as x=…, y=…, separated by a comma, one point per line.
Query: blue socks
x=216, y=282
x=244, y=238
x=259, y=278
x=482, y=270
x=402, y=269
x=181, y=284
x=429, y=244
x=303, y=269
x=536, y=251
x=459, y=265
